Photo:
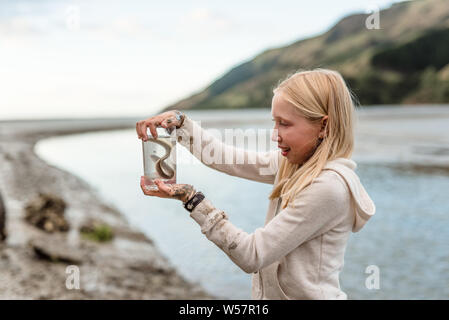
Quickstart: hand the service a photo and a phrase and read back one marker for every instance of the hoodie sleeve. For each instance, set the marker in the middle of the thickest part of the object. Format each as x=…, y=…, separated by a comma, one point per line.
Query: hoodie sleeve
x=317, y=209
x=252, y=165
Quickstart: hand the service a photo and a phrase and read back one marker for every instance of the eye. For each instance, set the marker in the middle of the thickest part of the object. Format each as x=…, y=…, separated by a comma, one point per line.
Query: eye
x=281, y=123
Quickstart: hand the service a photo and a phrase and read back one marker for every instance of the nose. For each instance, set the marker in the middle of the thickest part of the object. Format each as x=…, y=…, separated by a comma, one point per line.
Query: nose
x=275, y=136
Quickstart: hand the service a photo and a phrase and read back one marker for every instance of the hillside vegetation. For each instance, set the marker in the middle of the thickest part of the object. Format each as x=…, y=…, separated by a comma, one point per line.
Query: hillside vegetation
x=405, y=61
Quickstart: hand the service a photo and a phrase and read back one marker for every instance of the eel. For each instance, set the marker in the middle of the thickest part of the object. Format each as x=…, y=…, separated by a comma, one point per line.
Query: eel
x=160, y=164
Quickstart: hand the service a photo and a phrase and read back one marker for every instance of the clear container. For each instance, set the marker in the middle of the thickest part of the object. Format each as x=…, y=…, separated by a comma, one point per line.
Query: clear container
x=159, y=157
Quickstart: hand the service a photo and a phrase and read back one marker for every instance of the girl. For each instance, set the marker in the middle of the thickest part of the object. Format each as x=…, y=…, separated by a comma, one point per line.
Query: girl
x=317, y=199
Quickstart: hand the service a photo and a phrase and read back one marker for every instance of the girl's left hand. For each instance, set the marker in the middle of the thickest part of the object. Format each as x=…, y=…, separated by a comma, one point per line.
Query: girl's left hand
x=181, y=192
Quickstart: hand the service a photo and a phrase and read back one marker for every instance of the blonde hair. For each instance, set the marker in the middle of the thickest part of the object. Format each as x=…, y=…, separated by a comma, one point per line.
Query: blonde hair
x=317, y=93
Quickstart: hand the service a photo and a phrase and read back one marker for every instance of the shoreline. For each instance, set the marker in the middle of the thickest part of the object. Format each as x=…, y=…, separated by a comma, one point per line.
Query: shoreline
x=33, y=262
x=117, y=270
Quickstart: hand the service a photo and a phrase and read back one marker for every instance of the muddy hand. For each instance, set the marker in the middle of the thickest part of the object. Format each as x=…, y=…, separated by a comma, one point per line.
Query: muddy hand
x=169, y=120
x=181, y=192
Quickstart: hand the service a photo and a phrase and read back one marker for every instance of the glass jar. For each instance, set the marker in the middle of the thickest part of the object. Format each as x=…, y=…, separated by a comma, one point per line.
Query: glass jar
x=159, y=157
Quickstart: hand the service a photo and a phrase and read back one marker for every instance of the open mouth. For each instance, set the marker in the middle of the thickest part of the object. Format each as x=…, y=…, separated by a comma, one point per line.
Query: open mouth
x=284, y=150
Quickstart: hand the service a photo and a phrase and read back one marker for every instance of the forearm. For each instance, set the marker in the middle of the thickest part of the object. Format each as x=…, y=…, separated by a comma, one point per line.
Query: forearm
x=240, y=246
x=252, y=165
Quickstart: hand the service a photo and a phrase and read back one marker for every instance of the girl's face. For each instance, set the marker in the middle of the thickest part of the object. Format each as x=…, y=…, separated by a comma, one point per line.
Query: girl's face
x=296, y=136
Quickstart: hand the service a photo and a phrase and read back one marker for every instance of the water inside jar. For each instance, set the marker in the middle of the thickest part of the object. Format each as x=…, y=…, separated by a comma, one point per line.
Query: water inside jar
x=159, y=158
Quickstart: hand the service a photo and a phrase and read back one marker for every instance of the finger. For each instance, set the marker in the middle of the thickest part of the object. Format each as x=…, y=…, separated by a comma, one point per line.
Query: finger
x=143, y=130
x=152, y=126
x=148, y=191
x=141, y=127
x=139, y=135
x=162, y=186
x=153, y=192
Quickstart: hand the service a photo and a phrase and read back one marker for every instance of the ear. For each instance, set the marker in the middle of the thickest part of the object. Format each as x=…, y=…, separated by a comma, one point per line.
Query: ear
x=323, y=130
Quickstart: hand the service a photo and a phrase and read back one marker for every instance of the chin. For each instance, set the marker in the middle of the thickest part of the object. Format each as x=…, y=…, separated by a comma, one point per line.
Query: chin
x=295, y=160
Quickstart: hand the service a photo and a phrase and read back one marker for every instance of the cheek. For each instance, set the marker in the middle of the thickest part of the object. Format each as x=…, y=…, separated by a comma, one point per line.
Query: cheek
x=300, y=141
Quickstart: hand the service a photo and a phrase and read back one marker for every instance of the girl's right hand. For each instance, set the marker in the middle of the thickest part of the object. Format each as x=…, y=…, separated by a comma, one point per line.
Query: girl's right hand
x=170, y=119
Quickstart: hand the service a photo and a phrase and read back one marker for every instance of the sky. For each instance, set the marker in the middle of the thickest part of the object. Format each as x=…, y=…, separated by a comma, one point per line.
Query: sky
x=112, y=58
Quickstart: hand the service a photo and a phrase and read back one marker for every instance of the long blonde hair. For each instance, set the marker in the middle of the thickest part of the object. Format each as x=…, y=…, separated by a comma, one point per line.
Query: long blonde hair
x=317, y=93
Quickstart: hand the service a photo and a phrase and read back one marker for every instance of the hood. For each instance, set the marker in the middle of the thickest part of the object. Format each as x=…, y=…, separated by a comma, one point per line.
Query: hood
x=364, y=206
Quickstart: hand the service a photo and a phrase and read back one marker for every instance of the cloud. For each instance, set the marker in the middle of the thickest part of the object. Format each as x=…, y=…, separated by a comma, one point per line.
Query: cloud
x=204, y=23
x=127, y=27
x=24, y=19
x=24, y=26
x=20, y=21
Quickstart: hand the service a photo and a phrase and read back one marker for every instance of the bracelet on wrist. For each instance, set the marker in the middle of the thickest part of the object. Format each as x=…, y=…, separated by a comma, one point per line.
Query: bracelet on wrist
x=189, y=198
x=191, y=204
x=180, y=116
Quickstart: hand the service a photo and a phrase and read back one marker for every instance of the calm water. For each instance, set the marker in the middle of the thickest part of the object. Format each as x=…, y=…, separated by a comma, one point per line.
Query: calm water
x=407, y=239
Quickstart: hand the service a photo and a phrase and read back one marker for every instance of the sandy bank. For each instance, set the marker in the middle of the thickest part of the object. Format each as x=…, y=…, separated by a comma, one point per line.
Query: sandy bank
x=128, y=267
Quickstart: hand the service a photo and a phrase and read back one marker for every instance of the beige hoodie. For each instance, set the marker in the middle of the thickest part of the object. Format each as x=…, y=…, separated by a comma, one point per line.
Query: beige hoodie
x=299, y=252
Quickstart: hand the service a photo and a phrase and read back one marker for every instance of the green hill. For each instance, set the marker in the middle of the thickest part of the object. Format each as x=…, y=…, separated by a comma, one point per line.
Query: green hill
x=405, y=61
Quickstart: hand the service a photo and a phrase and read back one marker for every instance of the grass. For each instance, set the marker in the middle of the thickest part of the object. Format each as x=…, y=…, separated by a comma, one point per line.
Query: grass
x=99, y=233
